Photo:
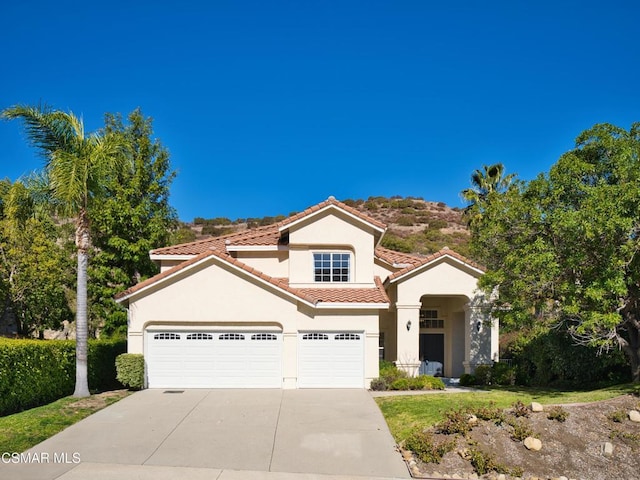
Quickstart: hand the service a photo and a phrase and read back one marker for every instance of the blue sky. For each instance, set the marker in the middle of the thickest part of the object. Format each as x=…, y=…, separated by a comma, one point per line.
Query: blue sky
x=269, y=107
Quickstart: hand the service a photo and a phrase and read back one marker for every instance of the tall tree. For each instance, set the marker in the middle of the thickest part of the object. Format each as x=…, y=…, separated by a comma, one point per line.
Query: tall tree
x=33, y=265
x=565, y=247
x=76, y=166
x=133, y=217
x=489, y=181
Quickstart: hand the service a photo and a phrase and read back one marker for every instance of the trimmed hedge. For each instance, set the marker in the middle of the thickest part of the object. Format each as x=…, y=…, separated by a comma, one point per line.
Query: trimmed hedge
x=36, y=372
x=130, y=370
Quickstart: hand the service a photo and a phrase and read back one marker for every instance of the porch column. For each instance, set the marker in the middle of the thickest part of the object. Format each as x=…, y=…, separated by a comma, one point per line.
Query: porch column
x=408, y=337
x=467, y=339
x=481, y=337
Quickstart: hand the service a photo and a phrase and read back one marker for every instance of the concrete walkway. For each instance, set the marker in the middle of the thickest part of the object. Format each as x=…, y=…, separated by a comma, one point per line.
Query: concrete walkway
x=221, y=434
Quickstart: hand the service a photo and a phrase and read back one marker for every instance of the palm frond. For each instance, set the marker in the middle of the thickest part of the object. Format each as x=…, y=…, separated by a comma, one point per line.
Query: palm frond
x=47, y=129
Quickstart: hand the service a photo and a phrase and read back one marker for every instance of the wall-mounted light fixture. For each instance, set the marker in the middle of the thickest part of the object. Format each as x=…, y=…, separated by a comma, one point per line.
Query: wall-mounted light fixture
x=408, y=325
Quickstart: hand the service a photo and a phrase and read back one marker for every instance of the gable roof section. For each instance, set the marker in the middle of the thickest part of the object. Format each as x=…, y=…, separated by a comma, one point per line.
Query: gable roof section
x=372, y=297
x=267, y=236
x=429, y=260
x=397, y=259
x=329, y=203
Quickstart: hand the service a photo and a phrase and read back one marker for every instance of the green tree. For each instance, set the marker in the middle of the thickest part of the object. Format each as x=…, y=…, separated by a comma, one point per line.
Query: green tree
x=34, y=265
x=485, y=183
x=133, y=217
x=76, y=166
x=564, y=248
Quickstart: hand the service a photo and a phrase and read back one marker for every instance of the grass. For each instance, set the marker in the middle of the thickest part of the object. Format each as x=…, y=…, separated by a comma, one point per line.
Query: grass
x=21, y=431
x=405, y=413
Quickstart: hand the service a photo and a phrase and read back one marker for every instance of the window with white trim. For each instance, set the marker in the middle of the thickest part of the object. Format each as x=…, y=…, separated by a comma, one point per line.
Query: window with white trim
x=429, y=319
x=331, y=267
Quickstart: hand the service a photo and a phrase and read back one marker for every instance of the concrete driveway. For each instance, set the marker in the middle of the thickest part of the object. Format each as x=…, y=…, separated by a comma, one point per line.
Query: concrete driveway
x=220, y=434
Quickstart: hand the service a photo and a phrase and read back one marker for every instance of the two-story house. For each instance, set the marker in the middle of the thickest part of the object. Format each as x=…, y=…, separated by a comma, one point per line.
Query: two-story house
x=312, y=301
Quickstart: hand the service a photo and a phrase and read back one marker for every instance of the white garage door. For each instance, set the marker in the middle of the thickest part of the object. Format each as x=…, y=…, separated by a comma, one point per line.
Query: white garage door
x=207, y=359
x=330, y=360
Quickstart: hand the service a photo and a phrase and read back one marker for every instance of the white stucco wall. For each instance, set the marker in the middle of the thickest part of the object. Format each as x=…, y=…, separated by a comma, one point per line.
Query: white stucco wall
x=330, y=232
x=273, y=263
x=216, y=296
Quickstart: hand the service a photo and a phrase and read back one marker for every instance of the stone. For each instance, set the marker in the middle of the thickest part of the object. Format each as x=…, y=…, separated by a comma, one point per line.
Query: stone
x=472, y=419
x=465, y=453
x=407, y=455
x=532, y=443
x=634, y=416
x=502, y=476
x=607, y=449
x=536, y=407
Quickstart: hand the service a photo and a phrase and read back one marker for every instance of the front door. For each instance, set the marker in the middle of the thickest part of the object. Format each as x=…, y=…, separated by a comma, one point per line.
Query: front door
x=432, y=354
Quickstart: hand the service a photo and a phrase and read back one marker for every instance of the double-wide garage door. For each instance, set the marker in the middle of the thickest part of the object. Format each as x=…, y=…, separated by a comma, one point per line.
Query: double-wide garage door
x=189, y=359
x=209, y=359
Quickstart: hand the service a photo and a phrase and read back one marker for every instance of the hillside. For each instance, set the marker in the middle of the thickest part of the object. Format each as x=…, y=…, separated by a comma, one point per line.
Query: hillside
x=414, y=225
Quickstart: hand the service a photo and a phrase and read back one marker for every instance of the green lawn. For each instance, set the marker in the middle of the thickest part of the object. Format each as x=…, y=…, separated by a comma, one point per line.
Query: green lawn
x=21, y=431
x=403, y=413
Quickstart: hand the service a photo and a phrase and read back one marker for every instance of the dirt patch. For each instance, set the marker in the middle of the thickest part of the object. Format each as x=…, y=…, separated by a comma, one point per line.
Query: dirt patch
x=573, y=448
x=99, y=400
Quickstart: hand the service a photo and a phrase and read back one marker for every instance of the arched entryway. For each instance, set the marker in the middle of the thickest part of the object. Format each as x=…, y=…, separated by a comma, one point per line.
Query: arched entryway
x=441, y=344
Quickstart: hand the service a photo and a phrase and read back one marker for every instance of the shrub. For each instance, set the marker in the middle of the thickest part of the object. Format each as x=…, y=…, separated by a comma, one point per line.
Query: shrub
x=550, y=357
x=618, y=416
x=466, y=380
x=130, y=368
x=483, y=374
x=503, y=374
x=490, y=413
x=426, y=448
x=427, y=382
x=379, y=384
x=102, y=363
x=519, y=409
x=483, y=463
x=557, y=413
x=36, y=372
x=521, y=430
x=400, y=384
x=456, y=421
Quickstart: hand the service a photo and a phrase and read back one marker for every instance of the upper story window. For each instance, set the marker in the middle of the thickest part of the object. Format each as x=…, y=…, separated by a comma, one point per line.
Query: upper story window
x=331, y=267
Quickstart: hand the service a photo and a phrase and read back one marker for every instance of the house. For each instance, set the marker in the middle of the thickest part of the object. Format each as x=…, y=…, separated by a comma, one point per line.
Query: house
x=311, y=302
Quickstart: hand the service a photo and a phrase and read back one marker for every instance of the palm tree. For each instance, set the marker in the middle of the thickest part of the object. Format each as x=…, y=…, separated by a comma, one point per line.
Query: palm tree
x=491, y=179
x=76, y=165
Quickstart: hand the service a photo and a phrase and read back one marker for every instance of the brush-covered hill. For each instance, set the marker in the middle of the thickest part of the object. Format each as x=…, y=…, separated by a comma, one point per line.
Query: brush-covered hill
x=414, y=224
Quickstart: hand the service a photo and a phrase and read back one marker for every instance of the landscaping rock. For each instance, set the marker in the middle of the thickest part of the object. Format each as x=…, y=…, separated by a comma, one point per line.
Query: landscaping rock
x=634, y=416
x=472, y=419
x=607, y=449
x=536, y=407
x=532, y=443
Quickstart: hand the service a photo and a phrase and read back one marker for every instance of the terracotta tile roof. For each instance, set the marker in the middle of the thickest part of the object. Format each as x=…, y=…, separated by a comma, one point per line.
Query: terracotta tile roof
x=396, y=258
x=311, y=295
x=430, y=258
x=166, y=273
x=261, y=236
x=326, y=203
x=346, y=295
x=267, y=235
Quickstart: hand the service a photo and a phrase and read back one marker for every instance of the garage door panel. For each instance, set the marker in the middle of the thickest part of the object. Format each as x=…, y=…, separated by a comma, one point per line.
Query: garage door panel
x=330, y=360
x=214, y=360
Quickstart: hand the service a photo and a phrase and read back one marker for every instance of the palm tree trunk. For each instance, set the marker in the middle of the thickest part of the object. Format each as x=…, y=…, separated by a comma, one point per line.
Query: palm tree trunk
x=82, y=330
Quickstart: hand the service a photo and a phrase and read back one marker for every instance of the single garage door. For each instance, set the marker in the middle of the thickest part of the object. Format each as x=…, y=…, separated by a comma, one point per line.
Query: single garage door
x=209, y=359
x=330, y=360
